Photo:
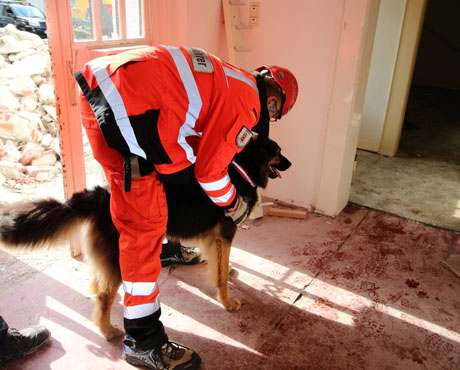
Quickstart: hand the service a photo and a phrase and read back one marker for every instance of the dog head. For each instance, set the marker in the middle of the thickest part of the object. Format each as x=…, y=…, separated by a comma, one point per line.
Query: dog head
x=262, y=159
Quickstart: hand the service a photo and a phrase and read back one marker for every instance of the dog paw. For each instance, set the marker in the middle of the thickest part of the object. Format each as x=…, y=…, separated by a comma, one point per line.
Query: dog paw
x=232, y=274
x=232, y=304
x=112, y=332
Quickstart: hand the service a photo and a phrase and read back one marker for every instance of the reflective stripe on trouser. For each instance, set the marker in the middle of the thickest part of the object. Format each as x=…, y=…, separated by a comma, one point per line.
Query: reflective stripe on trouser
x=140, y=217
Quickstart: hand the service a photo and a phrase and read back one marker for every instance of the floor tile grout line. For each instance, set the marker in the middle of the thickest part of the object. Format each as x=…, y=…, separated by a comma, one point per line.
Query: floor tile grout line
x=281, y=318
x=339, y=247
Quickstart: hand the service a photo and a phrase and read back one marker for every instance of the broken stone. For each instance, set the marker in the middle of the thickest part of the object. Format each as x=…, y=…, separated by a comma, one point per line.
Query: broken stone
x=50, y=125
x=33, y=118
x=37, y=64
x=44, y=176
x=21, y=128
x=51, y=110
x=47, y=159
x=10, y=44
x=29, y=103
x=21, y=55
x=28, y=123
x=31, y=65
x=30, y=152
x=56, y=146
x=23, y=86
x=11, y=152
x=36, y=136
x=34, y=170
x=47, y=118
x=37, y=41
x=38, y=79
x=11, y=170
x=46, y=93
x=7, y=99
x=46, y=141
x=7, y=131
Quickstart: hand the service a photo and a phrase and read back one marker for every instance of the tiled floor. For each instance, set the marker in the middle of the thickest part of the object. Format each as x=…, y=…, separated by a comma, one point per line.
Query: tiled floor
x=363, y=291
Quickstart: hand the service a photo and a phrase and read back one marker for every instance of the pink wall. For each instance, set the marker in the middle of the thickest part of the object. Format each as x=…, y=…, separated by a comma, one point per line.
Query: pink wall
x=196, y=23
x=303, y=35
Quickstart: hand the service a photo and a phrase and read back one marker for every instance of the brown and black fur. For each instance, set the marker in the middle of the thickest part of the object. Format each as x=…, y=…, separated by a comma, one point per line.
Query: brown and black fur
x=192, y=215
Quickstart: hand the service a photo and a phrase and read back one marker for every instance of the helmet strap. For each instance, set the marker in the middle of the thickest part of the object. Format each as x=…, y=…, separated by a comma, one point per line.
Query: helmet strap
x=263, y=125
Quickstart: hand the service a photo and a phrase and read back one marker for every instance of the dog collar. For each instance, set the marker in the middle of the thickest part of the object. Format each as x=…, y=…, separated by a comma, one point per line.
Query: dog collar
x=243, y=173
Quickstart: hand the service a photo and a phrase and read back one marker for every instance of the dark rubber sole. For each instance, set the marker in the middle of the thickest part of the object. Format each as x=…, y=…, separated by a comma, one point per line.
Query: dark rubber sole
x=193, y=364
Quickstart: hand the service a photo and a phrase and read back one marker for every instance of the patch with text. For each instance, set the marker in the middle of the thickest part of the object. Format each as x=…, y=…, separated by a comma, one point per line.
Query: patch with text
x=201, y=61
x=243, y=137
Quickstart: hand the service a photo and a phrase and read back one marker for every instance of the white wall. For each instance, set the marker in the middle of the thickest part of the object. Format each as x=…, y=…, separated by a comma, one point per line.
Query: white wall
x=383, y=61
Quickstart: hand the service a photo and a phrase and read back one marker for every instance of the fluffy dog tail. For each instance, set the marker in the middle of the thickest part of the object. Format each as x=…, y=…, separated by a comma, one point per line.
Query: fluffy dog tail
x=35, y=224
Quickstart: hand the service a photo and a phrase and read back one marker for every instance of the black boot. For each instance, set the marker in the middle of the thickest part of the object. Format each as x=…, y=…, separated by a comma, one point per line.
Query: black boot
x=19, y=343
x=170, y=356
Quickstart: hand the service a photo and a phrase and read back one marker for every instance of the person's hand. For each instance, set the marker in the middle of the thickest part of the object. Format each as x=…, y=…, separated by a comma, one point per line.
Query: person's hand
x=239, y=212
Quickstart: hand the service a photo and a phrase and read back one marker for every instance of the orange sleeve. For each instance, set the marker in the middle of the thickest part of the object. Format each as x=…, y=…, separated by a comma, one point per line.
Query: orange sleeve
x=221, y=140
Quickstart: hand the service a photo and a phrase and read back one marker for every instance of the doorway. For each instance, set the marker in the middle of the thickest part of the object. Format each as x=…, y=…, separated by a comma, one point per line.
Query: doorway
x=420, y=180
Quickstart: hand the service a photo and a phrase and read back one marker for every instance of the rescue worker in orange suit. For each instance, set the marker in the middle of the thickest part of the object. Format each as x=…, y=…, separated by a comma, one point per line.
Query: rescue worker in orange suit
x=161, y=114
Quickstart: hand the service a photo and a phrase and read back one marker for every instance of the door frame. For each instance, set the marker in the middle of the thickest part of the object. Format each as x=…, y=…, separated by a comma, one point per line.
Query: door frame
x=60, y=39
x=402, y=77
x=344, y=119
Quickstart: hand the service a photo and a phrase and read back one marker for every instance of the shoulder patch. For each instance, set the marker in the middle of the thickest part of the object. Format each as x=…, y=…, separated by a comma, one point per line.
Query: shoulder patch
x=201, y=61
x=243, y=137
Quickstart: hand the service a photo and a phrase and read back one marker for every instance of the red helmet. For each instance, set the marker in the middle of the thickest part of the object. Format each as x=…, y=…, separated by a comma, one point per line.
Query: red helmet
x=288, y=84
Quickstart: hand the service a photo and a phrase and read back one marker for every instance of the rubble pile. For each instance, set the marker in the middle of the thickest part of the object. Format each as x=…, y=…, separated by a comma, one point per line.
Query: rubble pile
x=29, y=144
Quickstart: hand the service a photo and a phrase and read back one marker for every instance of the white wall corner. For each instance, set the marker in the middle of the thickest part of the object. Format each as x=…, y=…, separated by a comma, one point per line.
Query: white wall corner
x=334, y=178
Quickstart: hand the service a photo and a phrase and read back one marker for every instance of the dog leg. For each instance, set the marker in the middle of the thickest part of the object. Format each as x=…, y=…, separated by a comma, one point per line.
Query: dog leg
x=222, y=248
x=93, y=287
x=104, y=300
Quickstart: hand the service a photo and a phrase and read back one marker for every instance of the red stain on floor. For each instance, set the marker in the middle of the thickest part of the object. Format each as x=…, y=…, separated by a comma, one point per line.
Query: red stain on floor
x=422, y=294
x=412, y=283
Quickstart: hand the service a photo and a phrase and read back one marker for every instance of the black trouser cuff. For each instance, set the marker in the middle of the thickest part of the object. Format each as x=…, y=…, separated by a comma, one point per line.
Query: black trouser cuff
x=147, y=332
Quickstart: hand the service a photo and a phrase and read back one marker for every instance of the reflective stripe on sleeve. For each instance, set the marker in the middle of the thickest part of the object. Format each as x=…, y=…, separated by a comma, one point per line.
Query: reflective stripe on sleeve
x=194, y=101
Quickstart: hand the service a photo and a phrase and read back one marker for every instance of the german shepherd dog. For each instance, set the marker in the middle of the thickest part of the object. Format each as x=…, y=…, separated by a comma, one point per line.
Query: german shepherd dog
x=192, y=216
